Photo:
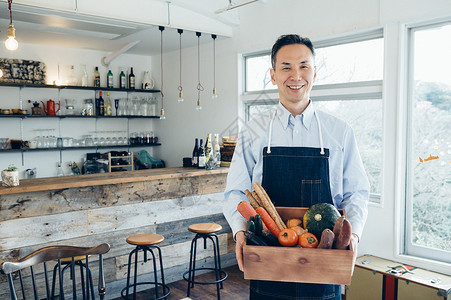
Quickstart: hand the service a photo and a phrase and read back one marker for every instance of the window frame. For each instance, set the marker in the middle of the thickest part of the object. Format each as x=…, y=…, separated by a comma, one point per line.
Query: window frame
x=406, y=246
x=361, y=90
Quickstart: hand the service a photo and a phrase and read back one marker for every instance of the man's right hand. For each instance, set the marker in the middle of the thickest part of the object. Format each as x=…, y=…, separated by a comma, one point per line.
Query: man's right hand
x=240, y=242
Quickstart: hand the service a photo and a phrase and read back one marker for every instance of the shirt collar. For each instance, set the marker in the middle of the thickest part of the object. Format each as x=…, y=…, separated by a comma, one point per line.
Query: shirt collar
x=286, y=117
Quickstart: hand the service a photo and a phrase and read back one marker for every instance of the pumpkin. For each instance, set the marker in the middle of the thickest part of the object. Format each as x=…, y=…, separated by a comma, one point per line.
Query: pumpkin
x=319, y=217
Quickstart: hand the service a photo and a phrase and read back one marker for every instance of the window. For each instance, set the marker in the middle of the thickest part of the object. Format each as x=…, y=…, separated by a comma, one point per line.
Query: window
x=348, y=85
x=428, y=165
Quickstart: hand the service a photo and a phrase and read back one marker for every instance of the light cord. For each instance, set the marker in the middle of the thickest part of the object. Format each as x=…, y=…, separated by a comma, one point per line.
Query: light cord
x=10, y=11
x=161, y=67
x=200, y=88
x=180, y=47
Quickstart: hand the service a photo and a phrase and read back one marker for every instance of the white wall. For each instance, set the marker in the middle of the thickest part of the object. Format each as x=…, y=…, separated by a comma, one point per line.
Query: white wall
x=46, y=162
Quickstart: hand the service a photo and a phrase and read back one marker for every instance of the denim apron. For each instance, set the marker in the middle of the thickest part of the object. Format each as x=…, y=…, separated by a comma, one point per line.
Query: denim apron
x=295, y=177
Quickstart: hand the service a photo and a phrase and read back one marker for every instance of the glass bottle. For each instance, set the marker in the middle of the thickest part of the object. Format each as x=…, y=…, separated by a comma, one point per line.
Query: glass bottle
x=72, y=80
x=131, y=80
x=122, y=80
x=84, y=77
x=101, y=105
x=210, y=159
x=217, y=151
x=201, y=158
x=109, y=79
x=96, y=77
x=108, y=105
x=194, y=161
x=59, y=170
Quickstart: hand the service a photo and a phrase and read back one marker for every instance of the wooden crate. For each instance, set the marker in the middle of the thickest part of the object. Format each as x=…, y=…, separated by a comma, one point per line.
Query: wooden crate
x=294, y=264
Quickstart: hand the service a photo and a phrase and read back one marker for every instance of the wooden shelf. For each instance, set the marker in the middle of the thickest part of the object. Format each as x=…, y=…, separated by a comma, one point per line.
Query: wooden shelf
x=126, y=157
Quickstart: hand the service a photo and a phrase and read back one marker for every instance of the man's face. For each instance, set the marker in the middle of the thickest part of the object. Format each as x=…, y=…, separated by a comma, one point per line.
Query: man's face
x=294, y=73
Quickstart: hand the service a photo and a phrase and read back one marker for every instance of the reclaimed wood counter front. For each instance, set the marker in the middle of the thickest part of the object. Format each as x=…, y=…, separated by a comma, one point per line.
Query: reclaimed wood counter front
x=89, y=209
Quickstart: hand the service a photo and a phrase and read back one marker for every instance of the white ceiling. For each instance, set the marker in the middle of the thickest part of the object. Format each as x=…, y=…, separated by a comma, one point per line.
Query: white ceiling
x=71, y=29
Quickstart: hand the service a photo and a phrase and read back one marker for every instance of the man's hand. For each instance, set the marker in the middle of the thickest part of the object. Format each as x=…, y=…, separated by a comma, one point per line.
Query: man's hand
x=240, y=242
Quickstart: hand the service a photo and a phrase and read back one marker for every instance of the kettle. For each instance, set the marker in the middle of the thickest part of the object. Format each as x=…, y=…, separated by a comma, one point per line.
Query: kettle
x=50, y=109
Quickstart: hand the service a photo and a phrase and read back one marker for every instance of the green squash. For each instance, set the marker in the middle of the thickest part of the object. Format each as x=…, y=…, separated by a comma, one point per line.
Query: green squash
x=319, y=217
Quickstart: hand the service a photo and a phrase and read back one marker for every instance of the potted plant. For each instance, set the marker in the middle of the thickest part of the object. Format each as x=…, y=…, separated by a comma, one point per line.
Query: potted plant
x=10, y=176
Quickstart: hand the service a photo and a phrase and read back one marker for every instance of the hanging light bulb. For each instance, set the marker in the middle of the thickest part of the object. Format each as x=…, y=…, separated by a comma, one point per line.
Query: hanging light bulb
x=11, y=43
x=180, y=99
x=200, y=88
x=162, y=116
x=215, y=95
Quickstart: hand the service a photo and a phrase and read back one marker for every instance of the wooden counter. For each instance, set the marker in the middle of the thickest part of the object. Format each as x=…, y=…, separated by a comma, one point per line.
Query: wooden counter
x=90, y=209
x=53, y=183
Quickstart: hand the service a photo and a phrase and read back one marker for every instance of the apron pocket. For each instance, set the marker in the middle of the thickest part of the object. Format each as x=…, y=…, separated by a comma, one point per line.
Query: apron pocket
x=310, y=192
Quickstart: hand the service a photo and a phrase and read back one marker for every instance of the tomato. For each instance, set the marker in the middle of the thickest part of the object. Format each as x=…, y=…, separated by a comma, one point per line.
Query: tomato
x=288, y=237
x=308, y=240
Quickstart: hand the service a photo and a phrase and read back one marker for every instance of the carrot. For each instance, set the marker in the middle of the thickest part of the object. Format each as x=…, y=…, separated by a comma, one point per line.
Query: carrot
x=246, y=210
x=268, y=221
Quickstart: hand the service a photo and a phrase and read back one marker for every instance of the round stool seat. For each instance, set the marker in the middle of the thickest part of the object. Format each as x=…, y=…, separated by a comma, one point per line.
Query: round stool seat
x=205, y=228
x=145, y=239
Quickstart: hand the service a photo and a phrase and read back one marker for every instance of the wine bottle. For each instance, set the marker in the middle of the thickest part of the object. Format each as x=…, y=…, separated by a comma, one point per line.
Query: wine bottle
x=195, y=156
x=210, y=161
x=122, y=80
x=131, y=80
x=217, y=151
x=108, y=105
x=96, y=77
x=109, y=79
x=201, y=159
x=101, y=105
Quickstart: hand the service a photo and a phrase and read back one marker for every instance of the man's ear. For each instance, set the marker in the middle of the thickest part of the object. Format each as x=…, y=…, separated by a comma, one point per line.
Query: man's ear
x=314, y=76
x=273, y=80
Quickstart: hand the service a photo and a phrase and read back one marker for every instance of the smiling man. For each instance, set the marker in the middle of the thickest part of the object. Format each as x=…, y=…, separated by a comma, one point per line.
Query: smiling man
x=301, y=156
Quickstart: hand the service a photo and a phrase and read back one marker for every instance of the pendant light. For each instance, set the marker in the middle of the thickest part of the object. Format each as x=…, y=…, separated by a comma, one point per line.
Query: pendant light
x=11, y=43
x=215, y=95
x=180, y=31
x=200, y=88
x=162, y=117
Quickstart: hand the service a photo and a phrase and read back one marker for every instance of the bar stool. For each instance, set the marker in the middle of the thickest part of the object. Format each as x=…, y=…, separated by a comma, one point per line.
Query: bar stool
x=88, y=290
x=146, y=242
x=205, y=231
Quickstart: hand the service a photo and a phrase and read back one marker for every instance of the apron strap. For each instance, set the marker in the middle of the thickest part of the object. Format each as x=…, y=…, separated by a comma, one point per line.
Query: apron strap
x=268, y=150
x=320, y=134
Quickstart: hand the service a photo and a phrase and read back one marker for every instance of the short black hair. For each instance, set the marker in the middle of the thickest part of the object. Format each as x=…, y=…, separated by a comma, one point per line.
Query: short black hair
x=289, y=39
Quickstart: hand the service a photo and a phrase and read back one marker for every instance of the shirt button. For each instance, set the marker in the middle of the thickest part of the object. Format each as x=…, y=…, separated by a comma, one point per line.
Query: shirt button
x=296, y=131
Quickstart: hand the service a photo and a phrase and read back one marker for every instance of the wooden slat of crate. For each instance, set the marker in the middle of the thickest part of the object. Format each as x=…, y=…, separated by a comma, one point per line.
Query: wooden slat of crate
x=293, y=264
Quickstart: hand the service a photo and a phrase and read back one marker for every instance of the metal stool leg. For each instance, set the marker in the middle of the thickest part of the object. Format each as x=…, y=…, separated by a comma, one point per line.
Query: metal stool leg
x=161, y=269
x=194, y=260
x=218, y=276
x=190, y=266
x=219, y=256
x=154, y=271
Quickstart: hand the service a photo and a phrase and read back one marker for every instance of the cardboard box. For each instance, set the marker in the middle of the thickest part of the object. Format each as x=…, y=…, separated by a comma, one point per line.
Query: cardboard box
x=294, y=264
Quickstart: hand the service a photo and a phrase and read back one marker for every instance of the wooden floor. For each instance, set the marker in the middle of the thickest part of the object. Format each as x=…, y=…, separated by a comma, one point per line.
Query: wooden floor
x=234, y=288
